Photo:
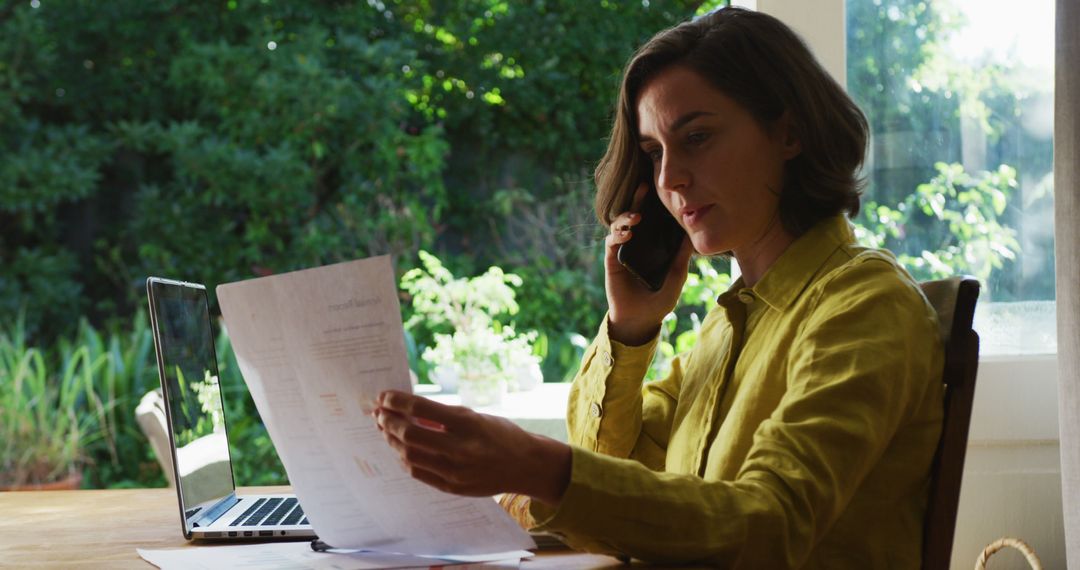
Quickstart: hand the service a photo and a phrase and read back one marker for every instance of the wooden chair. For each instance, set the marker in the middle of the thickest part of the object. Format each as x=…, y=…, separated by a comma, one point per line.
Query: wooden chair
x=954, y=299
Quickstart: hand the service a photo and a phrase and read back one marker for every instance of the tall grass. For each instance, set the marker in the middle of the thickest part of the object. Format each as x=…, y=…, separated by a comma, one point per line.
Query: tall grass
x=123, y=458
x=71, y=407
x=49, y=416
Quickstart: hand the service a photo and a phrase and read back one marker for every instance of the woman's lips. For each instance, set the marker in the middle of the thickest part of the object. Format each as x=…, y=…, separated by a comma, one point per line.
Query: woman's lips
x=691, y=217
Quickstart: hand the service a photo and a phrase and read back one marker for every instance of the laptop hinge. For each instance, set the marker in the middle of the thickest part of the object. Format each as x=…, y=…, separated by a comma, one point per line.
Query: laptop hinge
x=214, y=513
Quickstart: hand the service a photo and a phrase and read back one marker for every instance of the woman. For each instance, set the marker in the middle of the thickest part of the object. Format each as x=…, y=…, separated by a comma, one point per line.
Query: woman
x=800, y=430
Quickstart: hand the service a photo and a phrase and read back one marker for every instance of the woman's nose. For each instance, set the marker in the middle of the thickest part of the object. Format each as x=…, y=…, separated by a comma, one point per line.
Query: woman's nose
x=674, y=175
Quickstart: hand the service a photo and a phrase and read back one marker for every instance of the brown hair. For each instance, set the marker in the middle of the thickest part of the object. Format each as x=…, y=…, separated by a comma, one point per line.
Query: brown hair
x=766, y=68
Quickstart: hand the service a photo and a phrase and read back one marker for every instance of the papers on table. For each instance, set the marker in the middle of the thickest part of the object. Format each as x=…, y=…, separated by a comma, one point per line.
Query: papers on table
x=316, y=347
x=299, y=556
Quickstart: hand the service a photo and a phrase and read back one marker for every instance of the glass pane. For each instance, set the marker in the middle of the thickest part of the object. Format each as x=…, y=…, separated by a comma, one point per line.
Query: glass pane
x=959, y=95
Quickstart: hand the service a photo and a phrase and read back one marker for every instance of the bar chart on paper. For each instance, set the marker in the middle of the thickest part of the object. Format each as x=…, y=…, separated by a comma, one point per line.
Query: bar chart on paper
x=367, y=469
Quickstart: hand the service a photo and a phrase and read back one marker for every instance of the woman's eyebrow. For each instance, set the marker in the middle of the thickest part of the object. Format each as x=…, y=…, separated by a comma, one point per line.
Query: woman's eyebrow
x=680, y=122
x=683, y=120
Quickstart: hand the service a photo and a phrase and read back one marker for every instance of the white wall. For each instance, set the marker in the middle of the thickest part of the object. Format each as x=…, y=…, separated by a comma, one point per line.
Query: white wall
x=1012, y=475
x=821, y=24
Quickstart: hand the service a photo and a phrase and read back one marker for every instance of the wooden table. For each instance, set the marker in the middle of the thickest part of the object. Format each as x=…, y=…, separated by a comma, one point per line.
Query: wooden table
x=102, y=529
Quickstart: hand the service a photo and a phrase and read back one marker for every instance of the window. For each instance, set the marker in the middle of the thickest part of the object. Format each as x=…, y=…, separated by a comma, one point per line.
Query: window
x=959, y=95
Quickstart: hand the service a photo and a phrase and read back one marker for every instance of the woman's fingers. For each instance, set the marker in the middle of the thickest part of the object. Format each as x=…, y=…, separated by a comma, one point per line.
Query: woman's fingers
x=408, y=432
x=621, y=228
x=433, y=479
x=417, y=458
x=447, y=485
x=624, y=222
x=427, y=412
x=440, y=458
x=465, y=452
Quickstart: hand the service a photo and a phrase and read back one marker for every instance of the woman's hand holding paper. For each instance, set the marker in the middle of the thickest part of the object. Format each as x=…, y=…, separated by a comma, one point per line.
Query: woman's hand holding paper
x=459, y=451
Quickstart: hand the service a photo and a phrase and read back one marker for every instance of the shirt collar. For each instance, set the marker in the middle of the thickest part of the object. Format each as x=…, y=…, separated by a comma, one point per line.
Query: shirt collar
x=793, y=270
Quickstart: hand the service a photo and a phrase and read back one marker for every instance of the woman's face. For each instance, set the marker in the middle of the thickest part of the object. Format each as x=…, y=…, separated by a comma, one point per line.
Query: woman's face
x=715, y=168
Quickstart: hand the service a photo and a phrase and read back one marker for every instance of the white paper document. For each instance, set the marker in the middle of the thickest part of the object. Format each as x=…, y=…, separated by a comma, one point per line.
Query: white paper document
x=299, y=556
x=316, y=347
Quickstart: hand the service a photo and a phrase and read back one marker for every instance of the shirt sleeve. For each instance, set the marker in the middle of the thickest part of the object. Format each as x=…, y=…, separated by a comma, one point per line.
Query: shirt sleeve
x=609, y=410
x=865, y=360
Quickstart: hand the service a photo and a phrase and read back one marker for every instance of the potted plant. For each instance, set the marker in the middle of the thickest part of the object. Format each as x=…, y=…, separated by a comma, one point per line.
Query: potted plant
x=480, y=358
x=46, y=419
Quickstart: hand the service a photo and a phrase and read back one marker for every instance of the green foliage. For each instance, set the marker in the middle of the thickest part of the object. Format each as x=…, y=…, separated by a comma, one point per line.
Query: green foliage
x=952, y=144
x=209, y=417
x=439, y=298
x=73, y=406
x=886, y=43
x=180, y=126
x=37, y=280
x=526, y=76
x=560, y=354
x=556, y=246
x=49, y=415
x=525, y=90
x=479, y=345
x=127, y=371
x=251, y=137
x=950, y=225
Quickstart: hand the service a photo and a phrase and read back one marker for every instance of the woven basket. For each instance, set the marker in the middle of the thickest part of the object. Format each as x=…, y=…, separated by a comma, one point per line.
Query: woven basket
x=1023, y=547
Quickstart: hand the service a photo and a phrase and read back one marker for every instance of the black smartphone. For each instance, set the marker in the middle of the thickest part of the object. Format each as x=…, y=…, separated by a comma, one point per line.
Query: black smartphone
x=654, y=243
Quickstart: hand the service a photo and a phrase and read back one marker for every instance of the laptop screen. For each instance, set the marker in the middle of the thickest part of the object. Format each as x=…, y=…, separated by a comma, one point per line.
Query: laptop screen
x=188, y=367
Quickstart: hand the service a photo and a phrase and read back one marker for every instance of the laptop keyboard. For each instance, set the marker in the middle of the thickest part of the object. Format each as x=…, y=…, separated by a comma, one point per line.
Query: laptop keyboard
x=270, y=512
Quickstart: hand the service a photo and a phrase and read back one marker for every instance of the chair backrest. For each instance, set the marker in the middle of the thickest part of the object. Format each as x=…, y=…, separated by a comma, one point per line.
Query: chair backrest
x=954, y=300
x=150, y=415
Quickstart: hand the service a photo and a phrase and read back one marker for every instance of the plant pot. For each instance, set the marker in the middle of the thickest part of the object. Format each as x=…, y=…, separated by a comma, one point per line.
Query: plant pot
x=446, y=377
x=527, y=377
x=481, y=391
x=70, y=483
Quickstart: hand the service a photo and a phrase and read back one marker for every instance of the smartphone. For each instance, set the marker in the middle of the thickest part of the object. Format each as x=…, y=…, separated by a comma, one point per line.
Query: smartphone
x=654, y=243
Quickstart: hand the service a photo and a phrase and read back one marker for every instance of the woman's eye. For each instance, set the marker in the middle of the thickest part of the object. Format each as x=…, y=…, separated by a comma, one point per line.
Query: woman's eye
x=654, y=155
x=697, y=138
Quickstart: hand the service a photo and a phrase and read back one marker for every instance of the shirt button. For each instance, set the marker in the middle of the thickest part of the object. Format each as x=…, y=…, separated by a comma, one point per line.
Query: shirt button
x=608, y=360
x=746, y=297
x=594, y=410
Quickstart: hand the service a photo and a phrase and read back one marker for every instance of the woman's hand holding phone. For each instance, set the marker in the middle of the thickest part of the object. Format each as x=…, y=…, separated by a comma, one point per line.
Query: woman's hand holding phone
x=635, y=312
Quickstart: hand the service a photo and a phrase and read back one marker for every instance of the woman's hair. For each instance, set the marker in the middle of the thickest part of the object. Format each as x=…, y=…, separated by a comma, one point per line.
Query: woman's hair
x=767, y=69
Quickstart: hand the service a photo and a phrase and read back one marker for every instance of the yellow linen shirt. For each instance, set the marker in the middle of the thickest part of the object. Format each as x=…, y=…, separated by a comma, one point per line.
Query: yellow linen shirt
x=797, y=433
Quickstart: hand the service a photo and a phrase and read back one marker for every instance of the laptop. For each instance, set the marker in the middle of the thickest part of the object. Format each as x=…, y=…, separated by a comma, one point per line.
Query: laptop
x=194, y=409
